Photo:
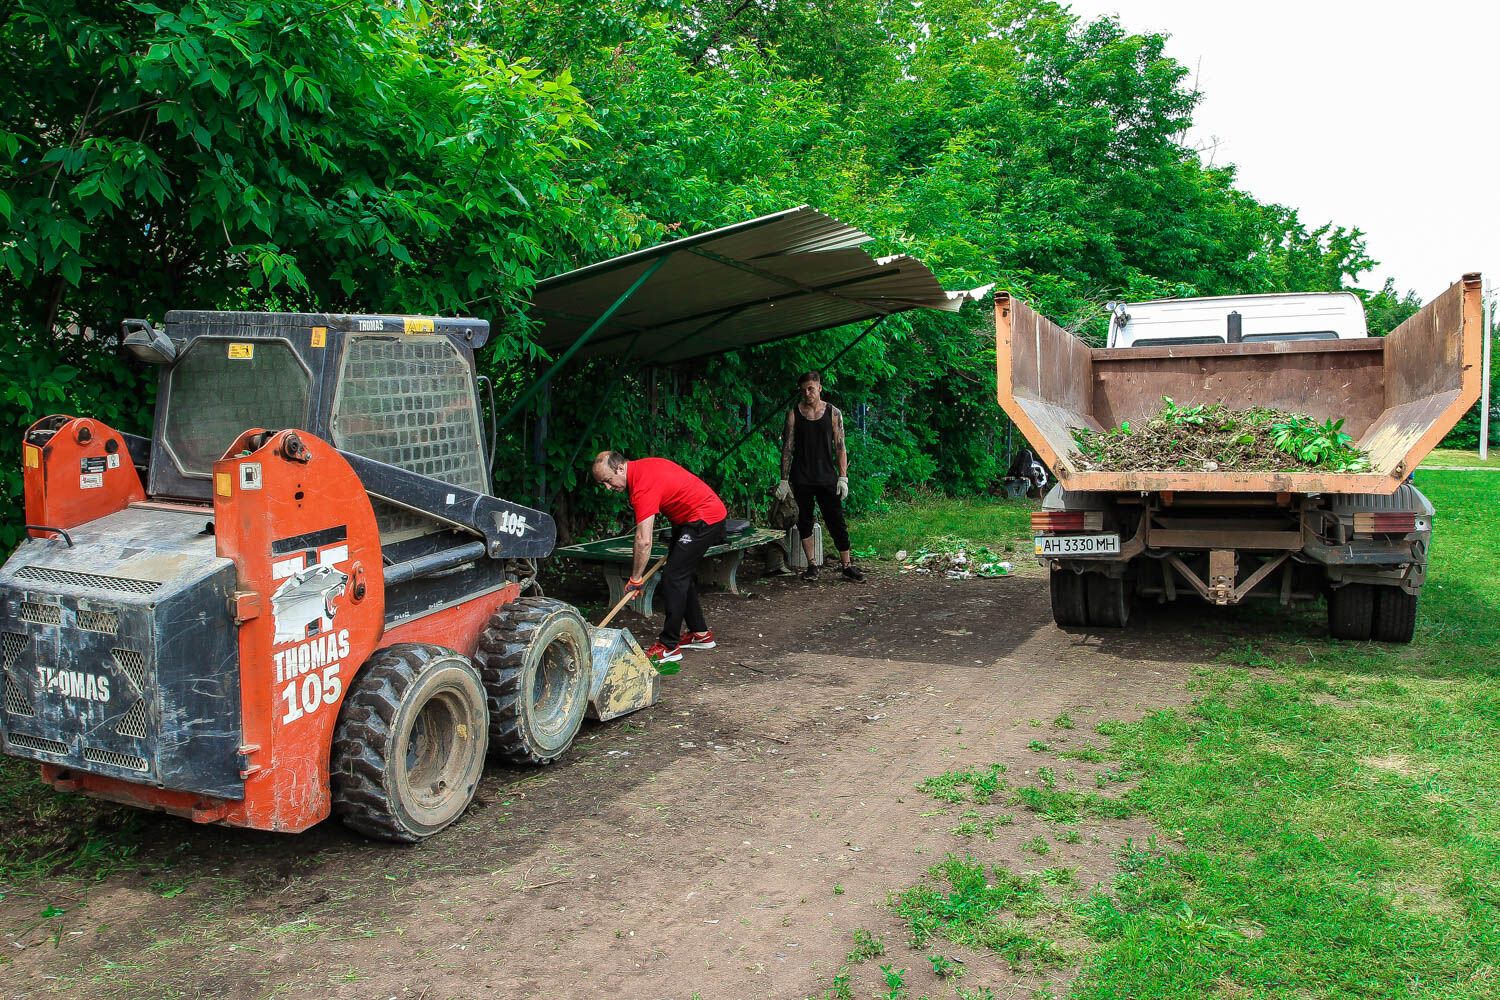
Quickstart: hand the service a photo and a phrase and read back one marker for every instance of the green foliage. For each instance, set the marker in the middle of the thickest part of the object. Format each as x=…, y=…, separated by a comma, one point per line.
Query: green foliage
x=1323, y=445
x=213, y=155
x=962, y=902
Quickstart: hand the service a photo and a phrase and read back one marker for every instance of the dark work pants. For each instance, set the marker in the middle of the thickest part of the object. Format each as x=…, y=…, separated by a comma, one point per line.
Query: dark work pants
x=828, y=503
x=679, y=584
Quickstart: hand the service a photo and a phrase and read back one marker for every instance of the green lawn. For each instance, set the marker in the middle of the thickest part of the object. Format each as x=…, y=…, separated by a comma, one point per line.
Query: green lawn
x=1327, y=814
x=1462, y=459
x=939, y=522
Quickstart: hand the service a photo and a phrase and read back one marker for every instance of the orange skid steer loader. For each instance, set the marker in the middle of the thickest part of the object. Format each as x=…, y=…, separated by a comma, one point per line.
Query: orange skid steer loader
x=298, y=597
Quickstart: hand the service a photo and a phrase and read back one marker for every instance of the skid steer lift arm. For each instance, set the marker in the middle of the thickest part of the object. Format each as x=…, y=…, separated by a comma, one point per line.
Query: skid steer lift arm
x=509, y=530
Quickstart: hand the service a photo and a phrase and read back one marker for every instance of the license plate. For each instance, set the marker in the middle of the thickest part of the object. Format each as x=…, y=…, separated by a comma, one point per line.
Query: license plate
x=1077, y=545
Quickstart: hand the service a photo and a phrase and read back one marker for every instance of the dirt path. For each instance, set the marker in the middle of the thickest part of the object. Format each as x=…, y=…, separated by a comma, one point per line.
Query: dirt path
x=726, y=843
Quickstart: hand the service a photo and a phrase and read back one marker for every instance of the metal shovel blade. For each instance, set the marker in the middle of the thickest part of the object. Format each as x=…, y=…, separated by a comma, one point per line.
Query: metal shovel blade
x=624, y=679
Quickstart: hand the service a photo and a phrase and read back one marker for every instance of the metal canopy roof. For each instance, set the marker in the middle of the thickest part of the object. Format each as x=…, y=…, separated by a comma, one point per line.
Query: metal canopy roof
x=778, y=276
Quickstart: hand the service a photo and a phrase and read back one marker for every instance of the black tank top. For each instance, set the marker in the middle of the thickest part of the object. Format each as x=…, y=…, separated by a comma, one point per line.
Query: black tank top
x=812, y=449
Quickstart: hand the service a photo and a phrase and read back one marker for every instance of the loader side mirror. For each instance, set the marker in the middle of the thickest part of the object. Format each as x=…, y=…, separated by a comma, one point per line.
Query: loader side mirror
x=151, y=346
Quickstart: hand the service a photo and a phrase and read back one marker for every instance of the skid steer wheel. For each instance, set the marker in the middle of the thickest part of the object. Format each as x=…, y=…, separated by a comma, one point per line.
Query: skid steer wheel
x=1069, y=602
x=1108, y=600
x=535, y=660
x=1395, y=618
x=409, y=748
x=1351, y=611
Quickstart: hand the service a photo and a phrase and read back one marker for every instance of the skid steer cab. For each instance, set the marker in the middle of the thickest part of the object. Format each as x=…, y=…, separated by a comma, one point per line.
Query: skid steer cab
x=298, y=597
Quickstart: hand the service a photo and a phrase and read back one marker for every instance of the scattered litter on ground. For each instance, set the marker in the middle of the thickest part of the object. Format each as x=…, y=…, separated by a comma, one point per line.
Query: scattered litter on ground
x=956, y=559
x=1210, y=437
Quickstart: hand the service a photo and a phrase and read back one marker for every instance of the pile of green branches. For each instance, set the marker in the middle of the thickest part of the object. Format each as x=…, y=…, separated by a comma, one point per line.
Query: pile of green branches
x=1210, y=437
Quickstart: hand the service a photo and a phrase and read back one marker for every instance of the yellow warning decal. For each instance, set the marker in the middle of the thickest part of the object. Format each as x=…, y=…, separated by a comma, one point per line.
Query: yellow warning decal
x=221, y=483
x=417, y=325
x=320, y=336
x=241, y=352
x=33, y=457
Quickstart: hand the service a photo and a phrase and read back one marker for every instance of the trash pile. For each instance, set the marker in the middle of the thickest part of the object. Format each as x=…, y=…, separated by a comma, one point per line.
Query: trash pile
x=956, y=559
x=1210, y=437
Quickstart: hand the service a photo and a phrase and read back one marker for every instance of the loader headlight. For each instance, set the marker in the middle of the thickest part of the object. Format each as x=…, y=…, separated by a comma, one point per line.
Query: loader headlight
x=151, y=346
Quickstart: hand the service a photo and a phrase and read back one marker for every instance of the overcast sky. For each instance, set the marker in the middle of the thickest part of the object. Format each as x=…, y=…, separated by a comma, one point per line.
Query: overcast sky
x=1378, y=115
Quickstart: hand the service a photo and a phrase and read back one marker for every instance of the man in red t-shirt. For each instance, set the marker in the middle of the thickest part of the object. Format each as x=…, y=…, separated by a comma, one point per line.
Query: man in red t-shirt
x=660, y=486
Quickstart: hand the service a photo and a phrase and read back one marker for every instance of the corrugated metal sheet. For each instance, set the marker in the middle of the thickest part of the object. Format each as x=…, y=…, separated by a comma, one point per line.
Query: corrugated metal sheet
x=778, y=276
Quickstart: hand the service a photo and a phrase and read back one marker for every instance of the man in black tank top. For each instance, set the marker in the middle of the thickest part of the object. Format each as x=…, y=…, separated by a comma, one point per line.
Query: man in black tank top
x=815, y=467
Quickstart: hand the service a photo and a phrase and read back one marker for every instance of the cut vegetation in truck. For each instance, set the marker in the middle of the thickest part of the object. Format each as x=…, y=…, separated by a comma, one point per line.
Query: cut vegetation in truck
x=1210, y=437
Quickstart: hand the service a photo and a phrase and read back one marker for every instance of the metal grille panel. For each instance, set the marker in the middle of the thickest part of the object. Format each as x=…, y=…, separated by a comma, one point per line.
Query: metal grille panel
x=134, y=722
x=132, y=664
x=15, y=701
x=114, y=759
x=41, y=614
x=38, y=744
x=11, y=645
x=216, y=395
x=87, y=581
x=409, y=402
x=107, y=622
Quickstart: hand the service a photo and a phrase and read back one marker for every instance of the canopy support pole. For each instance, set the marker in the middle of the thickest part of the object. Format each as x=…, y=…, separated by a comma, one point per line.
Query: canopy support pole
x=609, y=392
x=583, y=338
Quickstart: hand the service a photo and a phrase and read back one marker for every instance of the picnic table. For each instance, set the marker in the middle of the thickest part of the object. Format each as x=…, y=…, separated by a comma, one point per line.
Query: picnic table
x=719, y=567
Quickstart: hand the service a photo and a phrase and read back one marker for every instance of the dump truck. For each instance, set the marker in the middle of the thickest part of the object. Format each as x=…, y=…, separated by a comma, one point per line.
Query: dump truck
x=298, y=596
x=1358, y=540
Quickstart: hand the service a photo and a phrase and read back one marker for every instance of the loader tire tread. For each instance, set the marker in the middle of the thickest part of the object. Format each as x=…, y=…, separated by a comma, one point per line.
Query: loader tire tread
x=360, y=777
x=1395, y=617
x=504, y=656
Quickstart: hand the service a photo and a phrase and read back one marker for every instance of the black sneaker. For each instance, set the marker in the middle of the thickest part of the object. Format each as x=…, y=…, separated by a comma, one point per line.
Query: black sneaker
x=853, y=572
x=811, y=573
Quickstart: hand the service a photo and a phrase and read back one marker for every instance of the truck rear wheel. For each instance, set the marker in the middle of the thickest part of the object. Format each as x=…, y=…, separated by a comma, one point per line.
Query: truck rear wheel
x=1069, y=608
x=535, y=658
x=1109, y=600
x=1351, y=611
x=408, y=751
x=1395, y=615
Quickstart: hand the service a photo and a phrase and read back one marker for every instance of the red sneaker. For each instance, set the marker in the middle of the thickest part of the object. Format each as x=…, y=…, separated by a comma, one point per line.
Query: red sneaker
x=698, y=640
x=659, y=653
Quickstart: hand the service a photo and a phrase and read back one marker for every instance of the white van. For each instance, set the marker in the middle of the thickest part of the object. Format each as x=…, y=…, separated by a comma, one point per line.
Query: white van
x=1232, y=319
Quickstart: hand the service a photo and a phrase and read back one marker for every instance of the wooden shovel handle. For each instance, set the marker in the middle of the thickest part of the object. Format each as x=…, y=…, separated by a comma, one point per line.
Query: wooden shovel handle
x=630, y=596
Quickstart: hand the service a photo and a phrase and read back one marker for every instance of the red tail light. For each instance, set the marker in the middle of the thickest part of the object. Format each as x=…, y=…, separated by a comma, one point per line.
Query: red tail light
x=1067, y=520
x=1380, y=523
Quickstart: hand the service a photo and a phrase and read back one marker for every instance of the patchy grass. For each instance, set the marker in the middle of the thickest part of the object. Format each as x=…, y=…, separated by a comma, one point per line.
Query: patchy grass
x=1333, y=811
x=43, y=830
x=963, y=902
x=1336, y=808
x=1004, y=526
x=1461, y=459
x=972, y=784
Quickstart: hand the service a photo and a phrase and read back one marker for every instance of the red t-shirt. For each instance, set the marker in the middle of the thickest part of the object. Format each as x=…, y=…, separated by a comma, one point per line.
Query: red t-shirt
x=661, y=486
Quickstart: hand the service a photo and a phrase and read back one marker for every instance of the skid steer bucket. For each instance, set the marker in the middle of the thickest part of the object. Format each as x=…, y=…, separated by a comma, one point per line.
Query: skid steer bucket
x=624, y=679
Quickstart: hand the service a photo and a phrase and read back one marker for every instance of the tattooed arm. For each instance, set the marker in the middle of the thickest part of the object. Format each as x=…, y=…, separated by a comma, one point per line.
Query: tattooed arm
x=788, y=436
x=840, y=453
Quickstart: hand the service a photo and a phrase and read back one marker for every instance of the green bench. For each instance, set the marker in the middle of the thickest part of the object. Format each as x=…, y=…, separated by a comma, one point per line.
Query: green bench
x=719, y=568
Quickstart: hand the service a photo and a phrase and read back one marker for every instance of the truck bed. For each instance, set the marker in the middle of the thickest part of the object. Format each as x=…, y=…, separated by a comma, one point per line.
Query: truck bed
x=1397, y=395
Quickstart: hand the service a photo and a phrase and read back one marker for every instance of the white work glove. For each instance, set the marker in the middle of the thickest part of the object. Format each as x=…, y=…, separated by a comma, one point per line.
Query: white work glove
x=783, y=490
x=842, y=489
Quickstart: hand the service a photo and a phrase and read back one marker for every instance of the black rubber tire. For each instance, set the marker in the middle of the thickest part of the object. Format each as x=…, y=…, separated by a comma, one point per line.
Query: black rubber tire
x=1395, y=615
x=535, y=660
x=1068, y=599
x=409, y=747
x=1108, y=599
x=1351, y=611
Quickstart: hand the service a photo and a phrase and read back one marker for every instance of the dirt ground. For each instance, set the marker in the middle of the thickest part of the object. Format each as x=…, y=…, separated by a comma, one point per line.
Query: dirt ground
x=726, y=843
